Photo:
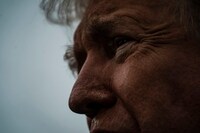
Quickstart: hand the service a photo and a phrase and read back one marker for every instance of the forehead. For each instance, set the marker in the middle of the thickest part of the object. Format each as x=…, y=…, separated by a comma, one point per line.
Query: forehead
x=105, y=6
x=149, y=10
x=106, y=13
x=146, y=9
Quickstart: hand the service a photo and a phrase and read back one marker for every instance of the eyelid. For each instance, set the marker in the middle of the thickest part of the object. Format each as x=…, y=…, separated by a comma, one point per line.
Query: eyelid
x=114, y=44
x=124, y=38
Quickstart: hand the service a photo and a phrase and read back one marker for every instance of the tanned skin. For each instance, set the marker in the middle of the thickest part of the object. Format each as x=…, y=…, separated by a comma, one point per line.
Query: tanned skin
x=139, y=72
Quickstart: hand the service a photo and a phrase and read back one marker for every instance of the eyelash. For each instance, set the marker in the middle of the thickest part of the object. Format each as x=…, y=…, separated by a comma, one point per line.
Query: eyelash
x=120, y=40
x=117, y=42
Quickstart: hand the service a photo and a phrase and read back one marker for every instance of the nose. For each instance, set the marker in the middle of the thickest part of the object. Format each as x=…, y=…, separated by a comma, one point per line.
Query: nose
x=90, y=94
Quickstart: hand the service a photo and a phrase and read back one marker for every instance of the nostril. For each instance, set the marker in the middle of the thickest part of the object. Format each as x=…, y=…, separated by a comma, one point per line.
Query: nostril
x=93, y=109
x=93, y=106
x=84, y=106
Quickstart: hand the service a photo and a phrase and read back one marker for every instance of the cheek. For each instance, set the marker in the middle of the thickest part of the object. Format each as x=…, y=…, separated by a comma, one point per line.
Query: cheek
x=149, y=78
x=156, y=90
x=142, y=86
x=142, y=78
x=146, y=90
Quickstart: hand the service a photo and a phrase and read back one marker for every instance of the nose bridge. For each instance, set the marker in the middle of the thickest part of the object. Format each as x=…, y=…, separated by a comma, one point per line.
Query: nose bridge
x=91, y=92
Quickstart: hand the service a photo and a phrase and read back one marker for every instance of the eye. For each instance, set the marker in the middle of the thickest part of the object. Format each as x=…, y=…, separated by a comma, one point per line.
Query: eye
x=118, y=41
x=115, y=43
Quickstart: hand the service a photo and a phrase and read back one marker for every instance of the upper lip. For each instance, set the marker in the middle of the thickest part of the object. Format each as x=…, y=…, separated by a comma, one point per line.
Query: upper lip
x=96, y=128
x=107, y=123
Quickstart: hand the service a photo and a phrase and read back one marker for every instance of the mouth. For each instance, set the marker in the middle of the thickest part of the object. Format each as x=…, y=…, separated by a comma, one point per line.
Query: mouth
x=112, y=121
x=106, y=128
x=96, y=126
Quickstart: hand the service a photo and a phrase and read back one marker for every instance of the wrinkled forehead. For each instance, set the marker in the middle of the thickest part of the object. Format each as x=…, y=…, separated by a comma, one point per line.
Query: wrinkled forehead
x=100, y=12
x=106, y=6
x=146, y=9
x=99, y=9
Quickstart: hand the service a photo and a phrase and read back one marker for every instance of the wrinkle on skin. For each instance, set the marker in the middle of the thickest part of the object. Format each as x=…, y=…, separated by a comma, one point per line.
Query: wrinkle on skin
x=164, y=33
x=150, y=84
x=155, y=103
x=142, y=28
x=108, y=119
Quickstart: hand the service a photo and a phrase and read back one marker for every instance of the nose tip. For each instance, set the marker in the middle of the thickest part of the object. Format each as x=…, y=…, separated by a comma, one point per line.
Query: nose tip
x=90, y=100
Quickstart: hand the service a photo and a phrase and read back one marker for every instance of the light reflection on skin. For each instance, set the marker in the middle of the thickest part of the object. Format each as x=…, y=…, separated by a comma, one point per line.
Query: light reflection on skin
x=137, y=75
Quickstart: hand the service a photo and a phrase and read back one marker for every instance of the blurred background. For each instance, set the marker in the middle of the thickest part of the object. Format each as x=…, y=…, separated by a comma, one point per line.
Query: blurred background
x=34, y=80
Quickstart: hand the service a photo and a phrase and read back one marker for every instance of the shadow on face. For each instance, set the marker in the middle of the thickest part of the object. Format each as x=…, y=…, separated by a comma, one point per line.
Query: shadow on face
x=138, y=71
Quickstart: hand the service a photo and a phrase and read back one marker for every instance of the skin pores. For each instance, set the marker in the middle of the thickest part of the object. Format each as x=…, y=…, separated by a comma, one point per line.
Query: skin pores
x=138, y=71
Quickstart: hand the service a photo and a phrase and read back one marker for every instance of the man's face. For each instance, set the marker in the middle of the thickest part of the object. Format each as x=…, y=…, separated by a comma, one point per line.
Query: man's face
x=138, y=72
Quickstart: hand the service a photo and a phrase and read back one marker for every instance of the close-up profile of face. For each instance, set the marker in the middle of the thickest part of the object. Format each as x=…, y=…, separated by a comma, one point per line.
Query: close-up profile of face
x=138, y=72
x=138, y=68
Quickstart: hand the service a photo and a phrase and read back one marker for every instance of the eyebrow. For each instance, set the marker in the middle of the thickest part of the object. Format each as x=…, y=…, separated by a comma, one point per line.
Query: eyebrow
x=101, y=27
x=116, y=24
